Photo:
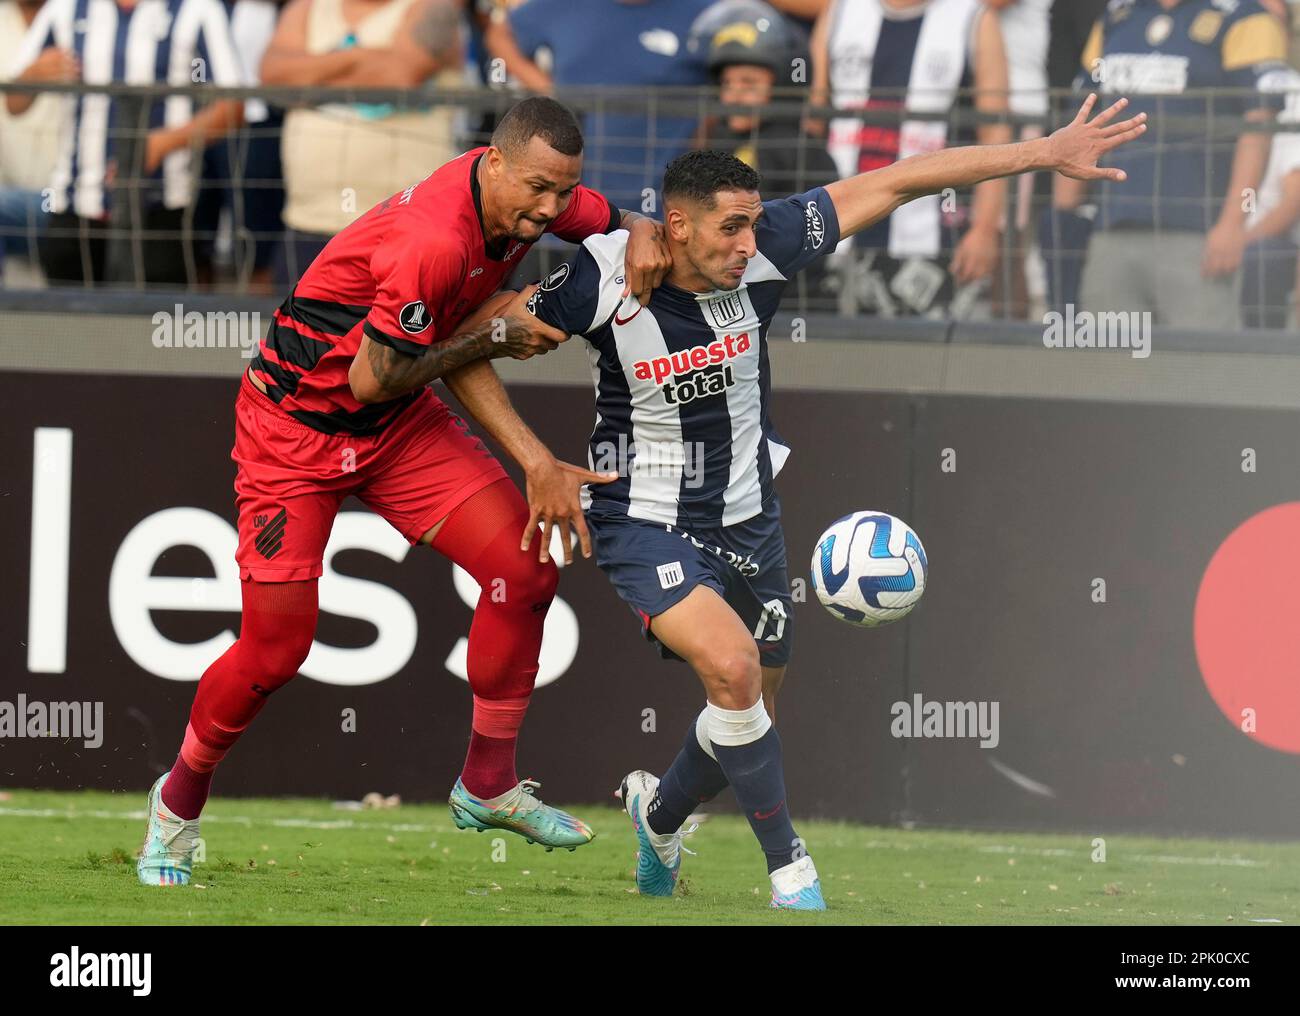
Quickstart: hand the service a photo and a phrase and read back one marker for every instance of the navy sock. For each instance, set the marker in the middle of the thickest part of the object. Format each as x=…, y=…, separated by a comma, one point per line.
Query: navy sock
x=757, y=775
x=693, y=777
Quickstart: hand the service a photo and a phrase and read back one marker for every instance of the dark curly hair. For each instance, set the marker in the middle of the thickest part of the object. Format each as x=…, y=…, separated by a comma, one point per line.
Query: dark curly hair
x=700, y=175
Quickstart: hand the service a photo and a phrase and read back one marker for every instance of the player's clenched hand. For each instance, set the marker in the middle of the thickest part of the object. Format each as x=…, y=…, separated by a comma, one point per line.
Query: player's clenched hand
x=1077, y=147
x=516, y=332
x=552, y=490
x=647, y=260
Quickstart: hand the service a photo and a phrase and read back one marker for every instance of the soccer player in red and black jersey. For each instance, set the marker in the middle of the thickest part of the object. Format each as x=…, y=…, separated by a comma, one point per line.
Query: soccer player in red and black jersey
x=337, y=404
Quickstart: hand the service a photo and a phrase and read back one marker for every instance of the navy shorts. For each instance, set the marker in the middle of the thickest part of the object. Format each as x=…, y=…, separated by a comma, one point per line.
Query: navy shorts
x=653, y=565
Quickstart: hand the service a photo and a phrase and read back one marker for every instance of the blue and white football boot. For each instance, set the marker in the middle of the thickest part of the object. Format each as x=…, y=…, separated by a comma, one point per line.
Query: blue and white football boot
x=797, y=887
x=658, y=856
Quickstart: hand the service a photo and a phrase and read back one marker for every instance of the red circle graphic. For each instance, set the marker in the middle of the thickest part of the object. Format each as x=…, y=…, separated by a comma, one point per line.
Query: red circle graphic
x=1247, y=627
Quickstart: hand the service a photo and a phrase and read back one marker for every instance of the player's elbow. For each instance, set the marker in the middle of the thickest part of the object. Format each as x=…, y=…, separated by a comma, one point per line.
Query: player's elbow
x=365, y=387
x=367, y=392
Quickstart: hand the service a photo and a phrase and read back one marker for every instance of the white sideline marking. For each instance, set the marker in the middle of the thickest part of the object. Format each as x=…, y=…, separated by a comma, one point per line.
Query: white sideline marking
x=1002, y=848
x=291, y=823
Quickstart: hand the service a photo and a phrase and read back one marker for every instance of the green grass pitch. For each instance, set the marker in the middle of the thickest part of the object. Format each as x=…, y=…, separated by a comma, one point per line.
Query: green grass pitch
x=69, y=858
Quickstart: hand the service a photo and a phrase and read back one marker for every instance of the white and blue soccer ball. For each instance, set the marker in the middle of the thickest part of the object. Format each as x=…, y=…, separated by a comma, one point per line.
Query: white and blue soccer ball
x=869, y=568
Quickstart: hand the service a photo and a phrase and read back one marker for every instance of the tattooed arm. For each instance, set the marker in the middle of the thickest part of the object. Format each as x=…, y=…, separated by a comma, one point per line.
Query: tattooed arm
x=502, y=326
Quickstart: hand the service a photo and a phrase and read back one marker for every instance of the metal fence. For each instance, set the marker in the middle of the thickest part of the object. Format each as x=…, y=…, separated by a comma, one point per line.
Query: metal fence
x=245, y=226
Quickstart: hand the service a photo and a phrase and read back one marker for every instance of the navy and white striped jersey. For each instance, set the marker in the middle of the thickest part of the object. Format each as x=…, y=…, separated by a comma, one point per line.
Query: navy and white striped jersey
x=176, y=42
x=683, y=385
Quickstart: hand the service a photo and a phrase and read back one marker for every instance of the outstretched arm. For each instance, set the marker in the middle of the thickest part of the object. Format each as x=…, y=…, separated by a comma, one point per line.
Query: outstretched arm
x=1073, y=151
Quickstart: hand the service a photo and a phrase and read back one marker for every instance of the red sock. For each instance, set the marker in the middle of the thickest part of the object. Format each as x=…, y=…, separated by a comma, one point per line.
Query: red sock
x=482, y=536
x=279, y=622
x=489, y=765
x=186, y=789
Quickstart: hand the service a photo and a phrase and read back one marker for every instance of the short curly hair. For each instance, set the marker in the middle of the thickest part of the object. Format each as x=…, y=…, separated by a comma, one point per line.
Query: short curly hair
x=701, y=174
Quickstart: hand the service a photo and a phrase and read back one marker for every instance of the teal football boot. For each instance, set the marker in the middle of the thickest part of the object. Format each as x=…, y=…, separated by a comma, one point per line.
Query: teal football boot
x=167, y=857
x=519, y=811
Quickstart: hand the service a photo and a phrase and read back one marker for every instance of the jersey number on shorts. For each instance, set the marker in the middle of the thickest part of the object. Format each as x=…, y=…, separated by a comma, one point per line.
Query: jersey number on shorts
x=772, y=610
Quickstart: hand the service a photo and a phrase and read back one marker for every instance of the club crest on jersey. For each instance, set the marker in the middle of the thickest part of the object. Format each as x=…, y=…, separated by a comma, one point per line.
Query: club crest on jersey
x=556, y=279
x=936, y=66
x=665, y=370
x=816, y=225
x=414, y=317
x=725, y=310
x=1159, y=28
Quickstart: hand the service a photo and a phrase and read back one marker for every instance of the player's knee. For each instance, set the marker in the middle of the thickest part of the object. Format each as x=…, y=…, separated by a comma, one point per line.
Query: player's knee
x=734, y=677
x=278, y=659
x=528, y=583
x=284, y=661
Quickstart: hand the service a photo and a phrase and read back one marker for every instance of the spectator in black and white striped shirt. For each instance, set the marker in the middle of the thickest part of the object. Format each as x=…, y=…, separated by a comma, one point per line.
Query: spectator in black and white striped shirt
x=136, y=42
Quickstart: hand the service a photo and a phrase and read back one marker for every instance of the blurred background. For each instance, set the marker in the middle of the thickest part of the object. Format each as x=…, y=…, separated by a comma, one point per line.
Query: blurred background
x=212, y=147
x=178, y=156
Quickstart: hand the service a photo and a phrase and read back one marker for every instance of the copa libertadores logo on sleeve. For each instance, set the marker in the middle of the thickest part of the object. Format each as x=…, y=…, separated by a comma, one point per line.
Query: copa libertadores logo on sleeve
x=414, y=317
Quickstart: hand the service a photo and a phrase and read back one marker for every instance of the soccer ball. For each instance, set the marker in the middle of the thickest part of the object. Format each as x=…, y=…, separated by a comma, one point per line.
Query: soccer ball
x=869, y=568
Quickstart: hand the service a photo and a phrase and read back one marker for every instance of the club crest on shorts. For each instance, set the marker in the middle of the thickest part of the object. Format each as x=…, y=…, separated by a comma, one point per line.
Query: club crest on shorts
x=271, y=536
x=414, y=317
x=671, y=574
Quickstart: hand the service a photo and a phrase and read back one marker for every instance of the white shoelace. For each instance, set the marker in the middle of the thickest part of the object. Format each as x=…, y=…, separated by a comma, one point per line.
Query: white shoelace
x=527, y=799
x=685, y=833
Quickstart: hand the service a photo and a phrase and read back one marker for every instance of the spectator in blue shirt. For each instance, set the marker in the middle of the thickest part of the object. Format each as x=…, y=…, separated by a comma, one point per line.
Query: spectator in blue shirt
x=1169, y=239
x=625, y=43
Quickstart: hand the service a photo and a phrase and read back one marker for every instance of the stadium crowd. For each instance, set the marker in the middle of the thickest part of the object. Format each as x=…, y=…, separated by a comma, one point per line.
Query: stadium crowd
x=165, y=189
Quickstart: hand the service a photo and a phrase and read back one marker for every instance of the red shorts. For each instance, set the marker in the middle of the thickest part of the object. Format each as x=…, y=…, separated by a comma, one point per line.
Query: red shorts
x=292, y=480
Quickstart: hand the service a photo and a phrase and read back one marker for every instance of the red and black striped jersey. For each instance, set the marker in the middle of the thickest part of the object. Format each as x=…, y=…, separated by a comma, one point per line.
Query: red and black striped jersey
x=405, y=274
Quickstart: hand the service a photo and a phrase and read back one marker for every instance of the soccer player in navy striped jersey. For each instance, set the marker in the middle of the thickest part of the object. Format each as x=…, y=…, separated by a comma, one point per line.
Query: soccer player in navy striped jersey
x=690, y=531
